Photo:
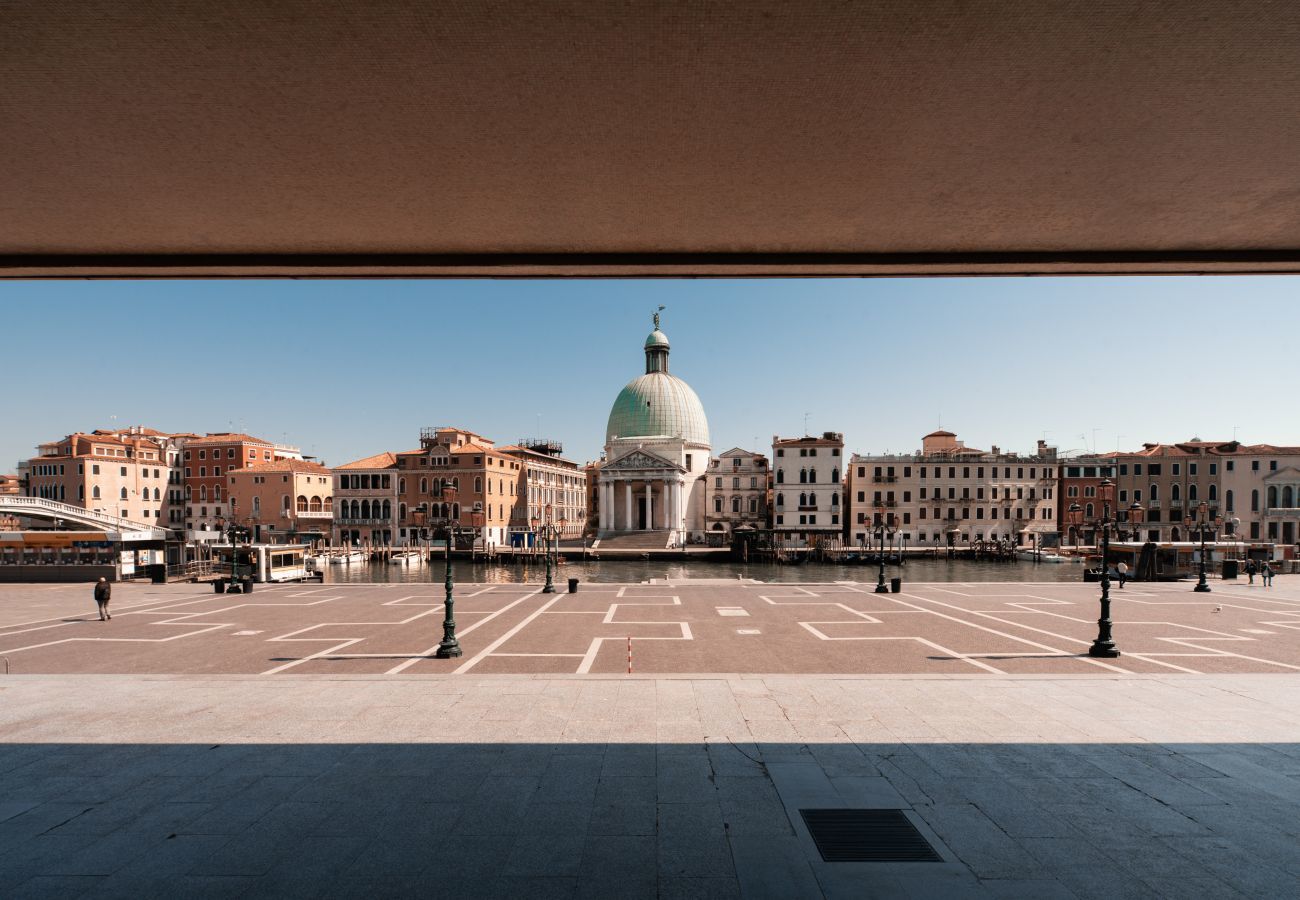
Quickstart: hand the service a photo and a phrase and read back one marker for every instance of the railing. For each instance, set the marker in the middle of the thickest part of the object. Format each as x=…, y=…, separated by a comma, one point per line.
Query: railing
x=315, y=514
x=884, y=479
x=350, y=521
x=1282, y=512
x=68, y=511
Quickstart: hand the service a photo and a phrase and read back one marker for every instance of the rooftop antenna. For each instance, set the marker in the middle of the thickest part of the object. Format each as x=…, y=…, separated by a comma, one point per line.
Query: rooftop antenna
x=1095, y=429
x=1234, y=432
x=805, y=424
x=1117, y=437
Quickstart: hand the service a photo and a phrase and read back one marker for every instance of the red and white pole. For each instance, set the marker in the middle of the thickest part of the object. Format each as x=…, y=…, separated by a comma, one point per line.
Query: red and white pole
x=629, y=654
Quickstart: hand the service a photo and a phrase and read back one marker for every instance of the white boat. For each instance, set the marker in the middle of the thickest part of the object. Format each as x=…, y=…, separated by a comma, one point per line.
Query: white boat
x=406, y=558
x=355, y=556
x=1046, y=556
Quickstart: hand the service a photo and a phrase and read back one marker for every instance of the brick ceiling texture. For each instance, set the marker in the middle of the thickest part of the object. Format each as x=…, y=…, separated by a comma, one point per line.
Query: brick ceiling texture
x=406, y=137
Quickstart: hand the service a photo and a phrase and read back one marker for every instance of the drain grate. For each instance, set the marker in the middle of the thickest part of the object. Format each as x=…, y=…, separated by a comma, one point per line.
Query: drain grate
x=867, y=835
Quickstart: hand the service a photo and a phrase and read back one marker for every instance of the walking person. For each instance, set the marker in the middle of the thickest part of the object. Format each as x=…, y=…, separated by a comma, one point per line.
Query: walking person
x=1251, y=569
x=1122, y=569
x=103, y=591
x=1266, y=574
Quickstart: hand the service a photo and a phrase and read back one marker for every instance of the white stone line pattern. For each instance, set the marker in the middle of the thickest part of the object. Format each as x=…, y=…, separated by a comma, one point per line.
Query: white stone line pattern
x=403, y=666
x=979, y=664
x=488, y=650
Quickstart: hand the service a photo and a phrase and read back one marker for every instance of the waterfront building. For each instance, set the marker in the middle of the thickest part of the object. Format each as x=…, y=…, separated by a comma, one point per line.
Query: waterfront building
x=207, y=462
x=366, y=502
x=1169, y=480
x=656, y=452
x=549, y=480
x=949, y=494
x=11, y=484
x=735, y=494
x=485, y=478
x=1260, y=486
x=125, y=473
x=283, y=501
x=807, y=489
x=1077, y=482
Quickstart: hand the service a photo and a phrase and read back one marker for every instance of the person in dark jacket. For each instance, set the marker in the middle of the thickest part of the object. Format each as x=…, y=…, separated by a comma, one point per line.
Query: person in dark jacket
x=103, y=591
x=1251, y=569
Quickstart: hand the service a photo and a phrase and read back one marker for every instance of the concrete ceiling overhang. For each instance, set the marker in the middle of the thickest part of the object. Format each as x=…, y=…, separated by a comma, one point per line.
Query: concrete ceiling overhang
x=396, y=137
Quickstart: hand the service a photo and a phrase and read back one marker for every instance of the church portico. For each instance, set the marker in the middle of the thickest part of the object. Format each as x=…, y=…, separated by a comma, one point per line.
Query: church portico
x=642, y=491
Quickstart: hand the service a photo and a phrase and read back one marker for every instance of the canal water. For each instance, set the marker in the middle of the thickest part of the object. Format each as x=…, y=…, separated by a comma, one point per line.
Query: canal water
x=633, y=571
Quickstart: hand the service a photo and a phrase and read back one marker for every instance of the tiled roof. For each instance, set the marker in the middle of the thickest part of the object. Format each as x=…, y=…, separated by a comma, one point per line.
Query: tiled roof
x=301, y=466
x=385, y=460
x=229, y=437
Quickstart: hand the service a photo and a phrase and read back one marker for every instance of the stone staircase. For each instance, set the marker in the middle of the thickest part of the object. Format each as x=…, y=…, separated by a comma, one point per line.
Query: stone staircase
x=634, y=540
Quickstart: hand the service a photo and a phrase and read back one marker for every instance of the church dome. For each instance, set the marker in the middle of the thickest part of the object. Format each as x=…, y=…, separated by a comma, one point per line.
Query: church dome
x=657, y=404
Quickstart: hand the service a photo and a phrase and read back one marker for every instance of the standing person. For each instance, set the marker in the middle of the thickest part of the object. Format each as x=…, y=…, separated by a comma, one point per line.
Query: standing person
x=103, y=592
x=1122, y=569
x=1251, y=569
x=1267, y=574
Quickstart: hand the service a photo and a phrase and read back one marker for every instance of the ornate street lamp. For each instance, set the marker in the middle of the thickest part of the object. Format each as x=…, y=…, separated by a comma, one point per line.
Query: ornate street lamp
x=1202, y=521
x=1103, y=647
x=449, y=648
x=550, y=532
x=233, y=531
x=883, y=527
x=1135, y=516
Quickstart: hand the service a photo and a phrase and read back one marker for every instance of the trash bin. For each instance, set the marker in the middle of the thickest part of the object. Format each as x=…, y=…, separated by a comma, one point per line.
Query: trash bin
x=158, y=573
x=1229, y=568
x=219, y=586
x=895, y=585
x=248, y=584
x=573, y=585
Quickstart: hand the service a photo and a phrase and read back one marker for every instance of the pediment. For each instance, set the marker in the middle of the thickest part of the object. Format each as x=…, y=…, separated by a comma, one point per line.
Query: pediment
x=640, y=460
x=1287, y=474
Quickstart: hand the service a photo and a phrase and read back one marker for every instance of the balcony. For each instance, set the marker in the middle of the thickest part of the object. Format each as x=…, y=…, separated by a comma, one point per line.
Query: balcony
x=348, y=521
x=884, y=479
x=314, y=514
x=1282, y=512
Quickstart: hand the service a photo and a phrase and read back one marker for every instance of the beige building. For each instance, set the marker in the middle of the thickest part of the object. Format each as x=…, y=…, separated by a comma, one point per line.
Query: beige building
x=1255, y=480
x=951, y=494
x=807, y=487
x=1170, y=481
x=283, y=501
x=366, y=502
x=735, y=493
x=127, y=473
x=549, y=480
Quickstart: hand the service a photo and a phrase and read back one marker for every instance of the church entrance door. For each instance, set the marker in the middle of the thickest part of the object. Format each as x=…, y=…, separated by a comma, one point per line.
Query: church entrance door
x=641, y=522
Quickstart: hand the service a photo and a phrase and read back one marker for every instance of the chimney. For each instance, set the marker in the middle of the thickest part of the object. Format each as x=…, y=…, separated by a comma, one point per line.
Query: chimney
x=995, y=450
x=1042, y=447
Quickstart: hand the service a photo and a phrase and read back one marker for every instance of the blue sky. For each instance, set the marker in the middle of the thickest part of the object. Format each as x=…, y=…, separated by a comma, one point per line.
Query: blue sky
x=349, y=368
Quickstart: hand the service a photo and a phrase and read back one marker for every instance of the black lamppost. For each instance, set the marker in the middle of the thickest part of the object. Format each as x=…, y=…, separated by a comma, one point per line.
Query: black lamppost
x=234, y=531
x=1202, y=521
x=550, y=532
x=449, y=648
x=1103, y=647
x=1135, y=516
x=883, y=527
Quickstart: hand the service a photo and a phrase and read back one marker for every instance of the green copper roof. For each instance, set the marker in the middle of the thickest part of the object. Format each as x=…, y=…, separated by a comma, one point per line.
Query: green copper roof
x=656, y=339
x=658, y=405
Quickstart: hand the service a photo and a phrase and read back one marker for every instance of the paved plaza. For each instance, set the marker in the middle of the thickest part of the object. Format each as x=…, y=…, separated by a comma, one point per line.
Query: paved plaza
x=323, y=754
x=1010, y=628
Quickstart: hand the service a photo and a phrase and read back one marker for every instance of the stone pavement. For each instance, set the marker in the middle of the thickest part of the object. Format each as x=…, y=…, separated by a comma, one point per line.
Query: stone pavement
x=994, y=629
x=614, y=786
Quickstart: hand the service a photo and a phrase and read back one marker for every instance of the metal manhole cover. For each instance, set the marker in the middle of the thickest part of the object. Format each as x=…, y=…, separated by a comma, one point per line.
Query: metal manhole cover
x=867, y=835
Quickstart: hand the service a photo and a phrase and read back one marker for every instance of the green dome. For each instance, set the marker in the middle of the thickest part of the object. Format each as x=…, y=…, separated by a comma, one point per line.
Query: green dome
x=658, y=405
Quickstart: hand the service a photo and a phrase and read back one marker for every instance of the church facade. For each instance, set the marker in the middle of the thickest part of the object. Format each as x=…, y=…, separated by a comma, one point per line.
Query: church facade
x=656, y=453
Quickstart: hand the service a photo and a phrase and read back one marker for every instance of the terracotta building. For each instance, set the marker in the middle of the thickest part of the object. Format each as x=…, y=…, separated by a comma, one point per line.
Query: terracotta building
x=283, y=501
x=123, y=473
x=1077, y=483
x=206, y=464
x=486, y=480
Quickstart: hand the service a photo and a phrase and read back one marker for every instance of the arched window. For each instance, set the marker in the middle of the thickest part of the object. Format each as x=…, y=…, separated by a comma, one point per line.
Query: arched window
x=302, y=503
x=835, y=499
x=1254, y=501
x=401, y=511
x=1288, y=498
x=835, y=476
x=1191, y=493
x=1272, y=497
x=1155, y=492
x=187, y=492
x=1227, y=500
x=388, y=509
x=478, y=484
x=285, y=503
x=94, y=492
x=717, y=504
x=803, y=476
x=401, y=485
x=780, y=476
x=158, y=496
x=455, y=511
x=315, y=504
x=812, y=499
x=329, y=504
x=365, y=509
x=780, y=499
x=124, y=493
x=1214, y=492
x=1088, y=511
x=735, y=504
x=1174, y=494
x=424, y=485
x=803, y=499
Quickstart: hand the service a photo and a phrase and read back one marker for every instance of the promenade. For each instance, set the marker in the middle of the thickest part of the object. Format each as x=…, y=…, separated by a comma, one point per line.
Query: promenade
x=197, y=745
